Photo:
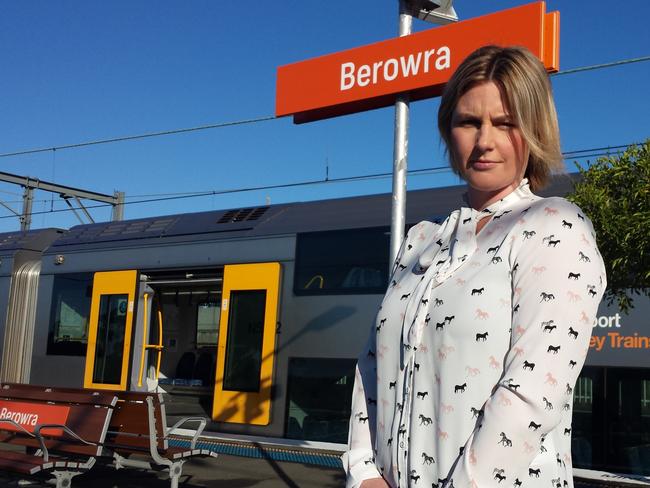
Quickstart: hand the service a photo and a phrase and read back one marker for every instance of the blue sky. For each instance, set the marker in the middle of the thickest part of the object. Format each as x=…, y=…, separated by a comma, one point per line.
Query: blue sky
x=76, y=71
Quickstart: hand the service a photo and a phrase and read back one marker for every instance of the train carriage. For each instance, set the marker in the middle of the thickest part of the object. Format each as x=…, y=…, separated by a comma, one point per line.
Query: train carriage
x=20, y=264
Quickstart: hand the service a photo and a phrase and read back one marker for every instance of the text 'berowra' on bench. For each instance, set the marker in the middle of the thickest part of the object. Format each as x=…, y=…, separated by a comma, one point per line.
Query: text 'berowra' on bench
x=65, y=431
x=138, y=426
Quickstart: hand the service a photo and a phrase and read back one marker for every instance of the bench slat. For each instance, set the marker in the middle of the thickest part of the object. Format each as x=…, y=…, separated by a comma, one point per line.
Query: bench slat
x=29, y=392
x=20, y=462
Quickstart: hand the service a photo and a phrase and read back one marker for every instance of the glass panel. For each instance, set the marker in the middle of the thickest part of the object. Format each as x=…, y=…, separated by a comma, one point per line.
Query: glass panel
x=320, y=399
x=110, y=339
x=68, y=331
x=342, y=262
x=629, y=423
x=244, y=342
x=587, y=437
x=207, y=323
x=645, y=398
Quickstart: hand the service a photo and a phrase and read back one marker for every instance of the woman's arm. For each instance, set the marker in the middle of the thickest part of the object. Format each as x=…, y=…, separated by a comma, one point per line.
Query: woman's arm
x=359, y=460
x=558, y=280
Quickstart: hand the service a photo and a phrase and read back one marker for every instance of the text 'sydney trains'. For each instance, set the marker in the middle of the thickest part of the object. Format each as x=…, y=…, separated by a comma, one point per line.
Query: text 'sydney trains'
x=254, y=317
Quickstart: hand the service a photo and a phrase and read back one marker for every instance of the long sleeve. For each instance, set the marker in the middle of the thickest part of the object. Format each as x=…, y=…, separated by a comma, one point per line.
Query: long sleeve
x=359, y=460
x=557, y=282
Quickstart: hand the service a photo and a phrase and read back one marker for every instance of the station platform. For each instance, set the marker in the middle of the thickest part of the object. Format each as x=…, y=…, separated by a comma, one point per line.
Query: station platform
x=243, y=464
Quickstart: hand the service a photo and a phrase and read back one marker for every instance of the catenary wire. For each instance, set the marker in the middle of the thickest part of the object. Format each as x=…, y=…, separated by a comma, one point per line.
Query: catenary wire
x=575, y=154
x=345, y=179
x=603, y=65
x=260, y=119
x=139, y=136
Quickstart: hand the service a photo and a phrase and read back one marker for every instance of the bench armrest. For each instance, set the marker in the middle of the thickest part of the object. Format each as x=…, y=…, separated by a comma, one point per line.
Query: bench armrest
x=16, y=424
x=39, y=436
x=202, y=422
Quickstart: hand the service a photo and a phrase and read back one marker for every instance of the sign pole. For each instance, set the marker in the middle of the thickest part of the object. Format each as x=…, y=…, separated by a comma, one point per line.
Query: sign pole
x=400, y=153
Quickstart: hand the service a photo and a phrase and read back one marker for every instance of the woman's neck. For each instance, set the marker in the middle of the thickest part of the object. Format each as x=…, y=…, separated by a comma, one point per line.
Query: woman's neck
x=480, y=199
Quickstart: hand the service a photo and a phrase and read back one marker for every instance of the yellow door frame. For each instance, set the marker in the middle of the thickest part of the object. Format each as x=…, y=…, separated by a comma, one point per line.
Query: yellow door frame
x=110, y=283
x=239, y=406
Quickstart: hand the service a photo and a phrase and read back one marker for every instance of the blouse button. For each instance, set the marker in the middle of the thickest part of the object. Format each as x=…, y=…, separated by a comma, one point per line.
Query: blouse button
x=401, y=444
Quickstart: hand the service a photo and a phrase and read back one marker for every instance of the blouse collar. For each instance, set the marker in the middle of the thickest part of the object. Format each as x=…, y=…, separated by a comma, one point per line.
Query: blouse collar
x=522, y=191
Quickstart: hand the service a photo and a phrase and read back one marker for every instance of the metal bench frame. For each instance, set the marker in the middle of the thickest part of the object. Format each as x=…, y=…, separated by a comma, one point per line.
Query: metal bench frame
x=175, y=467
x=63, y=470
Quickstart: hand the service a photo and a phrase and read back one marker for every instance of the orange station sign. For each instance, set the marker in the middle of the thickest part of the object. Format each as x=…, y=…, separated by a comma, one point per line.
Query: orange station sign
x=419, y=64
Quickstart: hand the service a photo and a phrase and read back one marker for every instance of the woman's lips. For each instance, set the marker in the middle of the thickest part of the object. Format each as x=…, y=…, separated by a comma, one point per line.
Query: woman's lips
x=482, y=164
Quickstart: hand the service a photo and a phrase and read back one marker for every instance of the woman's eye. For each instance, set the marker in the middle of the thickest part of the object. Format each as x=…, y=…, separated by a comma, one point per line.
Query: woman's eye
x=469, y=123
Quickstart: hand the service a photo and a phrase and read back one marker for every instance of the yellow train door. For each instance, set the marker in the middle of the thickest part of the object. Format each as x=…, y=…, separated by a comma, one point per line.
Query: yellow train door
x=246, y=346
x=110, y=330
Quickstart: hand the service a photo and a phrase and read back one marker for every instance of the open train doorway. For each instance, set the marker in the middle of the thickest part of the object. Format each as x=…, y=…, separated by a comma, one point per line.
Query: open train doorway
x=186, y=311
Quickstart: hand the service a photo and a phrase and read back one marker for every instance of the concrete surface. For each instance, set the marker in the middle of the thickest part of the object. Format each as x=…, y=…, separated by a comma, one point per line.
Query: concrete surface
x=222, y=472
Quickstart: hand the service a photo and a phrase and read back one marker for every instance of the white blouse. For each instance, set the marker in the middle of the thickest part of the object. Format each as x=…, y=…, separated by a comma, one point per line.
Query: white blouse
x=467, y=380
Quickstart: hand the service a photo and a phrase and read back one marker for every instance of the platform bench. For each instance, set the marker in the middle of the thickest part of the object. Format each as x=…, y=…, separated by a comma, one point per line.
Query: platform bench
x=59, y=435
x=138, y=426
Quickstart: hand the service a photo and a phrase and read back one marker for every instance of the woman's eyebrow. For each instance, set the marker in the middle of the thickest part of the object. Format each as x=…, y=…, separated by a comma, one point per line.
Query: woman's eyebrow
x=465, y=115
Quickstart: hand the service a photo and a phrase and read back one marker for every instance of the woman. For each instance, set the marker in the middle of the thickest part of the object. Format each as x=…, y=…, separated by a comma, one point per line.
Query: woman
x=468, y=376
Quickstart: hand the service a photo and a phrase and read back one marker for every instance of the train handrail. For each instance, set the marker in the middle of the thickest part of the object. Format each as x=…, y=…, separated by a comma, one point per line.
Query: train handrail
x=160, y=341
x=319, y=277
x=158, y=347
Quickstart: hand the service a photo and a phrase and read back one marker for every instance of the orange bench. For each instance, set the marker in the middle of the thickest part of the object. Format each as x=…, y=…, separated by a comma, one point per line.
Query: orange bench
x=138, y=426
x=62, y=434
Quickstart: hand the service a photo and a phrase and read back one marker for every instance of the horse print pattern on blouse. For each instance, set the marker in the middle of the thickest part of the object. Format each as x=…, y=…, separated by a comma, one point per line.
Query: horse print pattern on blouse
x=498, y=345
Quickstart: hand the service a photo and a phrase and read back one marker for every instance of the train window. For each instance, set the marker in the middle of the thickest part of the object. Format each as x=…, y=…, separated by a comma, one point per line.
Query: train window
x=611, y=420
x=110, y=339
x=342, y=262
x=68, y=331
x=319, y=399
x=207, y=323
x=628, y=422
x=244, y=343
x=587, y=435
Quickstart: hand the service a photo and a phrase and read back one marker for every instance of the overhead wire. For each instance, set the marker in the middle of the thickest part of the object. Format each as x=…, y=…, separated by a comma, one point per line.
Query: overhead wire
x=603, y=65
x=138, y=136
x=344, y=179
x=258, y=119
x=575, y=154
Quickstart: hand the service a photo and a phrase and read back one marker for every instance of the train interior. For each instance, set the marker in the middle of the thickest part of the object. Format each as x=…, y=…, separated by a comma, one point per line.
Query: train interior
x=189, y=302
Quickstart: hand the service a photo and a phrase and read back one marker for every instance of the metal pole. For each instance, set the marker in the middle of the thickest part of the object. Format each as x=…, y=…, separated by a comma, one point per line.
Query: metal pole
x=26, y=217
x=400, y=153
x=118, y=206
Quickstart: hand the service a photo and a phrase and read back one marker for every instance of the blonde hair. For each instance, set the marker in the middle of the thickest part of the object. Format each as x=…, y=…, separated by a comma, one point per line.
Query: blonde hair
x=526, y=90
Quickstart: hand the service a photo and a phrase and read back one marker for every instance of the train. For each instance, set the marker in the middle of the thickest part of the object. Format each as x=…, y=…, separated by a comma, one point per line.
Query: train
x=254, y=317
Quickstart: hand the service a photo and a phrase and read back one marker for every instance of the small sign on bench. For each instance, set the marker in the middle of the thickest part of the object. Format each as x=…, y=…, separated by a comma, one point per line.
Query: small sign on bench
x=29, y=415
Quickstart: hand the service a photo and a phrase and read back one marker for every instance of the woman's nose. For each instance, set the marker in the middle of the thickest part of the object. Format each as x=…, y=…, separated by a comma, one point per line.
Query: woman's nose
x=485, y=138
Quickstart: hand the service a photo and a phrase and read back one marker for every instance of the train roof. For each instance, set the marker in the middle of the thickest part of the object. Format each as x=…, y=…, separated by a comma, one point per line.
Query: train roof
x=279, y=219
x=31, y=240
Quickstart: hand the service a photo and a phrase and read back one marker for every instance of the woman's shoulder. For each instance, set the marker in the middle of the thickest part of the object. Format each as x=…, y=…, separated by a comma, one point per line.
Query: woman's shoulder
x=556, y=219
x=555, y=209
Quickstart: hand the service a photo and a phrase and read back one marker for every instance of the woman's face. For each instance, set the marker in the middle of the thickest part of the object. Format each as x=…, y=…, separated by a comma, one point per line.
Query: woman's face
x=486, y=145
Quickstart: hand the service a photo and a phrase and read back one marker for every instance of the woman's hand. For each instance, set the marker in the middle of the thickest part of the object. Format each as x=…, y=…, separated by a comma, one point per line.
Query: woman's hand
x=375, y=483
